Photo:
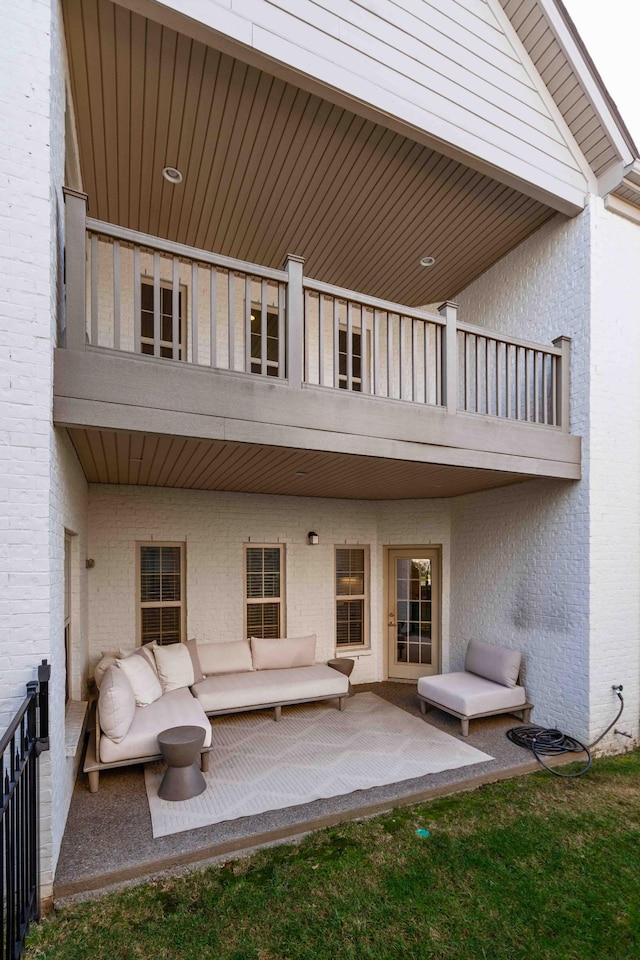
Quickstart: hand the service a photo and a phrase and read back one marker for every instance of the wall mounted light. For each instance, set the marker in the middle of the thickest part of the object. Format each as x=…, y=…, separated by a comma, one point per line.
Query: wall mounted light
x=313, y=538
x=90, y=564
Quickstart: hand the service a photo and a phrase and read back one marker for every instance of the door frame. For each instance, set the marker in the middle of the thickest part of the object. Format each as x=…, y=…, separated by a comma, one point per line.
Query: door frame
x=415, y=548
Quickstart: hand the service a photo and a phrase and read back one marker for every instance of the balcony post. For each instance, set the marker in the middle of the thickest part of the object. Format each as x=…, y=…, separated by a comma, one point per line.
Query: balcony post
x=75, y=268
x=449, y=310
x=295, y=320
x=562, y=381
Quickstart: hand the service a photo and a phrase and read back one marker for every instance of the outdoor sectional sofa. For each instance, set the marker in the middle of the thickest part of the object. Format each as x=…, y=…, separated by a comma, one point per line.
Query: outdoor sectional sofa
x=159, y=687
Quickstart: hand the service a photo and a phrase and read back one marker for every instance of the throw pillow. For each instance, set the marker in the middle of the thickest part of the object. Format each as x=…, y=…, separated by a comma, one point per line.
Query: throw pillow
x=493, y=663
x=116, y=704
x=108, y=660
x=144, y=683
x=192, y=647
x=146, y=652
x=175, y=666
x=278, y=654
x=232, y=656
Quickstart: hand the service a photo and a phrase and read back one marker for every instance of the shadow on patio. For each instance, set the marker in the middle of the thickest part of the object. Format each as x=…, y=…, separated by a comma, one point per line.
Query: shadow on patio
x=108, y=838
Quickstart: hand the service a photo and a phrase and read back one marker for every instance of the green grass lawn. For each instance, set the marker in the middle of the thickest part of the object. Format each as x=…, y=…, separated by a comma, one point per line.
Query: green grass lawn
x=529, y=868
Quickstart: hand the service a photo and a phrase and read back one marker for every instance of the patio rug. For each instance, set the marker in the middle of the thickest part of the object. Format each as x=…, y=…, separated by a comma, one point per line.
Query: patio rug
x=314, y=752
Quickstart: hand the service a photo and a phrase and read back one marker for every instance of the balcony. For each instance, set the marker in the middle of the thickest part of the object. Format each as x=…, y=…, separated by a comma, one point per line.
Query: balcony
x=164, y=340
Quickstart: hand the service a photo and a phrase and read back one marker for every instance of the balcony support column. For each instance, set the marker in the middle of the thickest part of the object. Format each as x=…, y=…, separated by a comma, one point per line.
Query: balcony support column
x=562, y=382
x=75, y=269
x=295, y=320
x=449, y=310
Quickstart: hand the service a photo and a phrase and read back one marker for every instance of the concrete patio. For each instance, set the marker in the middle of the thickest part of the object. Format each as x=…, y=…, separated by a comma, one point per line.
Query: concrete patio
x=108, y=838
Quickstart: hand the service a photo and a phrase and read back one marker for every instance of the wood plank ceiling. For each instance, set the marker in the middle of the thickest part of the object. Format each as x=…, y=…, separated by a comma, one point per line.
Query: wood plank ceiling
x=169, y=461
x=269, y=169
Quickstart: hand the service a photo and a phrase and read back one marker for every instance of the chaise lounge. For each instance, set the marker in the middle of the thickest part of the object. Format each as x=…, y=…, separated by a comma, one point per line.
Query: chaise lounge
x=487, y=686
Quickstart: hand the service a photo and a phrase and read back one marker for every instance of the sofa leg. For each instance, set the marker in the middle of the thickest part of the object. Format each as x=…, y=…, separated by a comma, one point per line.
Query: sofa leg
x=277, y=713
x=465, y=727
x=204, y=761
x=423, y=707
x=526, y=715
x=341, y=702
x=94, y=780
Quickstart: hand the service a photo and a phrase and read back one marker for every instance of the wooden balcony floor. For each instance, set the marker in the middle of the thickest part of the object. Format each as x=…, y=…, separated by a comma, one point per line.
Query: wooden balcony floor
x=108, y=839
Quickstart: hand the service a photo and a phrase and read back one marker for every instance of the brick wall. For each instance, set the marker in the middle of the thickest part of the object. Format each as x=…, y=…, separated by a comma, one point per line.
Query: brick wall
x=520, y=555
x=614, y=470
x=215, y=526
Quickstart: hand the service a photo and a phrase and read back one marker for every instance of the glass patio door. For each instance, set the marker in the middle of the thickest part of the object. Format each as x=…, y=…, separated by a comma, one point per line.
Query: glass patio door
x=413, y=578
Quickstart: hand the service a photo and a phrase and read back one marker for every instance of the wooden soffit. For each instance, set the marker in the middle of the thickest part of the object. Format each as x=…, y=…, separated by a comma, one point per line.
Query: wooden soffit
x=270, y=169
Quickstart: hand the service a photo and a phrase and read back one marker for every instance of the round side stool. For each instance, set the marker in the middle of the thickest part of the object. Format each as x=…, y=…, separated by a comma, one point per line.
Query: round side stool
x=343, y=665
x=180, y=748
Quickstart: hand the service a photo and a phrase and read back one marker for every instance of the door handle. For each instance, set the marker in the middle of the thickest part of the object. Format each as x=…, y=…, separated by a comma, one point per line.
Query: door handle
x=392, y=619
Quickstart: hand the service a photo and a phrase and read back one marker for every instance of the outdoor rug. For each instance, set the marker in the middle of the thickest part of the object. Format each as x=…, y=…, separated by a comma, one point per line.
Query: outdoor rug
x=315, y=751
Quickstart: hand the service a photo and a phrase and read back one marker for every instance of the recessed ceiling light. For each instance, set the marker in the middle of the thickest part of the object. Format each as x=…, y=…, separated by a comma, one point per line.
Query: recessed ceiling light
x=427, y=261
x=172, y=174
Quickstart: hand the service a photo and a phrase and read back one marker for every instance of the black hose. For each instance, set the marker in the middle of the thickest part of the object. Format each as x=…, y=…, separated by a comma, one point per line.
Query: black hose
x=549, y=742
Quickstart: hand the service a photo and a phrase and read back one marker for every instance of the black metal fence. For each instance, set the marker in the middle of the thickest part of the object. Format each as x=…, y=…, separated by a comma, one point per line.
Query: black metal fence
x=20, y=747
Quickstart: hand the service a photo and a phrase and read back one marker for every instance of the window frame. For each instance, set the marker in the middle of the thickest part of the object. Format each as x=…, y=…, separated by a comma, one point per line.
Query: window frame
x=182, y=603
x=256, y=600
x=148, y=281
x=366, y=597
x=273, y=311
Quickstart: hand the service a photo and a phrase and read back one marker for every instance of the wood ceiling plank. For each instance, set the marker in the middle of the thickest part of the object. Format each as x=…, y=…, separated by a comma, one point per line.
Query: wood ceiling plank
x=122, y=42
x=151, y=87
x=84, y=449
x=161, y=190
x=181, y=66
x=96, y=112
x=108, y=69
x=136, y=112
x=194, y=112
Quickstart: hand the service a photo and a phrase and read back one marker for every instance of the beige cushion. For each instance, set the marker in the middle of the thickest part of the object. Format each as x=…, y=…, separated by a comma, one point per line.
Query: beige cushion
x=144, y=683
x=116, y=704
x=469, y=694
x=231, y=657
x=284, y=652
x=108, y=660
x=192, y=647
x=173, y=710
x=291, y=685
x=175, y=667
x=493, y=663
x=146, y=651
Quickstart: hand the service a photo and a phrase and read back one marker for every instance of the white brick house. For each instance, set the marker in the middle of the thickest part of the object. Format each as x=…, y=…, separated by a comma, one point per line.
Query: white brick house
x=153, y=395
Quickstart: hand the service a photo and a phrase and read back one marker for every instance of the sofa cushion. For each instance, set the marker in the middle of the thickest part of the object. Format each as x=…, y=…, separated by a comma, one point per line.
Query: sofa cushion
x=192, y=647
x=174, y=709
x=107, y=660
x=271, y=654
x=146, y=652
x=494, y=663
x=229, y=657
x=116, y=704
x=144, y=683
x=175, y=666
x=468, y=694
x=234, y=691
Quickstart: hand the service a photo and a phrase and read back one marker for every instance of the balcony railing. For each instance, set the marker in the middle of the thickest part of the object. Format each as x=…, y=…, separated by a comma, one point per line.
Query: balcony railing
x=130, y=292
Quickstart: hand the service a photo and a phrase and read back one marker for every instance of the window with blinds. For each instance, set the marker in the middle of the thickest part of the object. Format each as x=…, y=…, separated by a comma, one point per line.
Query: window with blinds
x=161, y=593
x=351, y=596
x=264, y=591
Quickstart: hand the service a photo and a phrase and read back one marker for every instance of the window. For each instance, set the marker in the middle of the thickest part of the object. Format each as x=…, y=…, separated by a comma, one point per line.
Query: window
x=272, y=341
x=166, y=321
x=351, y=596
x=264, y=583
x=357, y=360
x=161, y=592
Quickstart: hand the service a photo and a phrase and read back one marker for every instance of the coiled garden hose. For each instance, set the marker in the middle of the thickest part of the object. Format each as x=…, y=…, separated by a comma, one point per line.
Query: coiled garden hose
x=549, y=742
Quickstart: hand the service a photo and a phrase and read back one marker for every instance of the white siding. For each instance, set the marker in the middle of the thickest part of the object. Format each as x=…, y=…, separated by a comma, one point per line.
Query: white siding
x=449, y=71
